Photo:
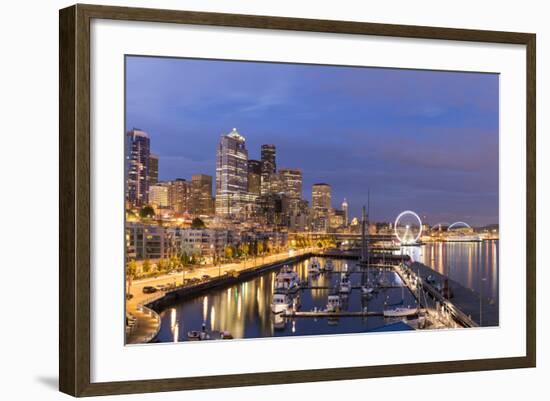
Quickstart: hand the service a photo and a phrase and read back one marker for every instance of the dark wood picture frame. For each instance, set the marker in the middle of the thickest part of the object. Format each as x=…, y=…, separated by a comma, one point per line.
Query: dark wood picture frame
x=74, y=199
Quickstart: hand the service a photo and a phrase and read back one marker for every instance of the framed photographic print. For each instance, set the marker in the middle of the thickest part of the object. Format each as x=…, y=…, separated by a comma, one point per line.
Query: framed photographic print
x=240, y=192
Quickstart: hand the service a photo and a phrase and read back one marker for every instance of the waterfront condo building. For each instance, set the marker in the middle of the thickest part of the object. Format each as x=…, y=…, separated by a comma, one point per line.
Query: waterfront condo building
x=208, y=244
x=137, y=168
x=152, y=242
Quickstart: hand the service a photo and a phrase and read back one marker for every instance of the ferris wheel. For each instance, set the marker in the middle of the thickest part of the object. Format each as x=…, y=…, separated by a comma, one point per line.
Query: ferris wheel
x=408, y=227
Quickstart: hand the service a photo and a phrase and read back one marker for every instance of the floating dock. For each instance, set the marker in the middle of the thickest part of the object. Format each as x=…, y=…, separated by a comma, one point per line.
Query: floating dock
x=326, y=314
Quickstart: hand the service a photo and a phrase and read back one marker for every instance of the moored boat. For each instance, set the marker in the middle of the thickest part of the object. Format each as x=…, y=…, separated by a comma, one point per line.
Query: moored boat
x=195, y=335
x=345, y=284
x=287, y=280
x=400, y=311
x=314, y=267
x=280, y=303
x=333, y=303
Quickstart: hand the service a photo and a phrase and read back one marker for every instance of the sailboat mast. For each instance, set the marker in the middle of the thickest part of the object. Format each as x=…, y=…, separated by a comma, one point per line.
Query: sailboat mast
x=367, y=228
x=363, y=238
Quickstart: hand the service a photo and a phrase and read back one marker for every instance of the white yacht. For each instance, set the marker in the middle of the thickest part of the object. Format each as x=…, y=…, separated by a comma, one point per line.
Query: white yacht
x=345, y=284
x=287, y=280
x=314, y=267
x=279, y=322
x=400, y=311
x=333, y=303
x=280, y=303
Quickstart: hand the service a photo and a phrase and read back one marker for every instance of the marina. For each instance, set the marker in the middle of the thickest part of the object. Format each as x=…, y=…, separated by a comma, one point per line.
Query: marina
x=290, y=298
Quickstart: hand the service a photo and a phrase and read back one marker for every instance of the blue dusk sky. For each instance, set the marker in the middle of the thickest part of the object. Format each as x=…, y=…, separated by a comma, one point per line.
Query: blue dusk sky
x=420, y=140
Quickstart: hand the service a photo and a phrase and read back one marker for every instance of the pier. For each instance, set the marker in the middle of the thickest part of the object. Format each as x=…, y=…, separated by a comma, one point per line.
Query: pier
x=355, y=287
x=465, y=301
x=411, y=279
x=325, y=314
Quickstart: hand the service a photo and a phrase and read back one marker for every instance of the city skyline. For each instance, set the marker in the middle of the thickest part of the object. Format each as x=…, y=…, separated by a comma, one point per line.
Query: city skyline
x=427, y=171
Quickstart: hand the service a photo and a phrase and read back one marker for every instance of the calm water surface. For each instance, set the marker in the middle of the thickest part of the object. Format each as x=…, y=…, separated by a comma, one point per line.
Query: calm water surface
x=472, y=264
x=245, y=309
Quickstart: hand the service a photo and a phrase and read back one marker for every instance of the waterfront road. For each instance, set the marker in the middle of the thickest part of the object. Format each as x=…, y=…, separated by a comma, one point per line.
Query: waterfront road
x=147, y=323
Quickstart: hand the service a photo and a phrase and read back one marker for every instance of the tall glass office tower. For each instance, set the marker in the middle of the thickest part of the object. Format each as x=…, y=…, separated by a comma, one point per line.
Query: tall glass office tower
x=137, y=168
x=231, y=175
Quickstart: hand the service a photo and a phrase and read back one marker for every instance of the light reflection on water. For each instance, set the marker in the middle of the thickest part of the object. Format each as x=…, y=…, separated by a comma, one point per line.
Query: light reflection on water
x=468, y=263
x=244, y=309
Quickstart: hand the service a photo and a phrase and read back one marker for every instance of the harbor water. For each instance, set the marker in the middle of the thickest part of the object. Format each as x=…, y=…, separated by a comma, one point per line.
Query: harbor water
x=244, y=309
x=472, y=264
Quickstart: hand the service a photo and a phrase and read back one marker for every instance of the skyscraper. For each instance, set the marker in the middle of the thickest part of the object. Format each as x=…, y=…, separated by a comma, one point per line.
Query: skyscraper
x=291, y=180
x=201, y=202
x=320, y=196
x=321, y=204
x=231, y=175
x=137, y=167
x=159, y=195
x=254, y=176
x=153, y=176
x=178, y=195
x=269, y=166
x=345, y=208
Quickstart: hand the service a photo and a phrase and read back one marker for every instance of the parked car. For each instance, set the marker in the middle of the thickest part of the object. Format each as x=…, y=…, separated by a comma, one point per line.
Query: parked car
x=149, y=289
x=205, y=277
